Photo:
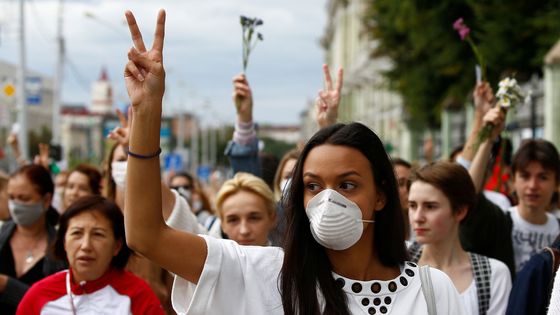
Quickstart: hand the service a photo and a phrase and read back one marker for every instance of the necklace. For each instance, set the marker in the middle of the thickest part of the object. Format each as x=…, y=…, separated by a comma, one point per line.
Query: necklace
x=29, y=257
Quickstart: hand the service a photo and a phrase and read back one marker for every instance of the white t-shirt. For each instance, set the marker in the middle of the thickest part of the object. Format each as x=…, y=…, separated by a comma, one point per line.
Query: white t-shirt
x=498, y=199
x=528, y=239
x=244, y=280
x=500, y=286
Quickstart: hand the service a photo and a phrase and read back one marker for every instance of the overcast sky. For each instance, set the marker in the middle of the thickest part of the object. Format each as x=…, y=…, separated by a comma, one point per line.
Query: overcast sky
x=202, y=50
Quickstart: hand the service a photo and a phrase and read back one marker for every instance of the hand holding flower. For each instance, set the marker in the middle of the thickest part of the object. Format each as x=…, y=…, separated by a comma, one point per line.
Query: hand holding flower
x=243, y=98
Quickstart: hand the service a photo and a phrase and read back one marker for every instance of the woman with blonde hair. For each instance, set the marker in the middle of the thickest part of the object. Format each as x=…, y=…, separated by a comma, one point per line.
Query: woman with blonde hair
x=246, y=209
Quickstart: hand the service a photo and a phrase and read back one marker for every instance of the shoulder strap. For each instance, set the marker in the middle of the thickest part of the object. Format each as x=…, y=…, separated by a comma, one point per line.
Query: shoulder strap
x=555, y=254
x=482, y=273
x=428, y=289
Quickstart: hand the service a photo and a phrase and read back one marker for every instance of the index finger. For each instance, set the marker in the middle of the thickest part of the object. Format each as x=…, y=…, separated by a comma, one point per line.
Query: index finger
x=328, y=80
x=160, y=31
x=122, y=119
x=135, y=31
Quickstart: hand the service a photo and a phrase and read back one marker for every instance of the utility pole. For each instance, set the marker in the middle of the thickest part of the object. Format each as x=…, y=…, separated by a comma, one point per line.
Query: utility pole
x=194, y=144
x=20, y=89
x=58, y=79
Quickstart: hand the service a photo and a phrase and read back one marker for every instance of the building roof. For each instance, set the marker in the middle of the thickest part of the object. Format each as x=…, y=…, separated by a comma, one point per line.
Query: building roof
x=553, y=55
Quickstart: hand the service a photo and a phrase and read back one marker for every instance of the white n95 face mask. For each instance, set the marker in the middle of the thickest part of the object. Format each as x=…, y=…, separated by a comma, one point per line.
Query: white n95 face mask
x=118, y=172
x=336, y=222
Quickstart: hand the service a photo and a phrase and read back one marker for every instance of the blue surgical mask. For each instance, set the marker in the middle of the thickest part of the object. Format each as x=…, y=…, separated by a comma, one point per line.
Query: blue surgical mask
x=25, y=214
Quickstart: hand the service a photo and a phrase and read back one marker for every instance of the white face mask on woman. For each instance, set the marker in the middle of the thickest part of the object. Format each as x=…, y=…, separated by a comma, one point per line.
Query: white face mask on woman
x=118, y=172
x=25, y=214
x=336, y=222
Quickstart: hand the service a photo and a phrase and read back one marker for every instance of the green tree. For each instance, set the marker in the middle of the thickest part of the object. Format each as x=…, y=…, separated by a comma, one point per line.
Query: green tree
x=433, y=68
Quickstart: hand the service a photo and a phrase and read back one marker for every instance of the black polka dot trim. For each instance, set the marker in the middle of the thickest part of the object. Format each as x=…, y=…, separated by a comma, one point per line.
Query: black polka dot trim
x=376, y=296
x=340, y=282
x=376, y=287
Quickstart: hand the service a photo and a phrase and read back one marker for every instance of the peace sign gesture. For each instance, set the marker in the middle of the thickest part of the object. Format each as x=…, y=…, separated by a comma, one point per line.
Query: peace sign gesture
x=144, y=74
x=326, y=104
x=121, y=133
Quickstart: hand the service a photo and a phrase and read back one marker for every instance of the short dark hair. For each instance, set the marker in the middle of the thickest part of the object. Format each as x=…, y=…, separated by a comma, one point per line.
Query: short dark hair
x=401, y=162
x=183, y=174
x=537, y=150
x=105, y=207
x=453, y=180
x=93, y=175
x=39, y=177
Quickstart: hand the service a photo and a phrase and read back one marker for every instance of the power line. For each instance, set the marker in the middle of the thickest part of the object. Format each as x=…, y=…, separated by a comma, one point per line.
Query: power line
x=82, y=82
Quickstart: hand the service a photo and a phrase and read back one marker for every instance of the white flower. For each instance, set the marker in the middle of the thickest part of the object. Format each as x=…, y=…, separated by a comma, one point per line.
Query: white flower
x=509, y=93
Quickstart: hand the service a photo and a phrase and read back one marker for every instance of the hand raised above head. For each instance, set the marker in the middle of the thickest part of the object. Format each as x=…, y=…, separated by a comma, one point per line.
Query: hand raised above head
x=144, y=73
x=483, y=97
x=326, y=104
x=121, y=133
x=243, y=98
x=496, y=117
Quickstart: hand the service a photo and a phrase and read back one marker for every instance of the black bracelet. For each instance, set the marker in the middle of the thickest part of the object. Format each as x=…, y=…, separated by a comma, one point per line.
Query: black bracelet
x=140, y=156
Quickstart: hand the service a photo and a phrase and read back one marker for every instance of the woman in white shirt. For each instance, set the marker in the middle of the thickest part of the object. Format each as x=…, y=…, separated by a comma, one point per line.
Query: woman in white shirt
x=441, y=196
x=344, y=251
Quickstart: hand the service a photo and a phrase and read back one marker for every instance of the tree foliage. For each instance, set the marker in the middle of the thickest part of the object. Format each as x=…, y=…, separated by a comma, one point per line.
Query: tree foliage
x=433, y=68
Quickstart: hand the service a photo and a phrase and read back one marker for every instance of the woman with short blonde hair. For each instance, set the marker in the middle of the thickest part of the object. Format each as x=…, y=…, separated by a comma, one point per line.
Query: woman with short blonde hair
x=247, y=182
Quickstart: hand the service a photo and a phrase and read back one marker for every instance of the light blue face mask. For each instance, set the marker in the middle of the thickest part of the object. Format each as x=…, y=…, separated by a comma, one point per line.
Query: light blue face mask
x=25, y=214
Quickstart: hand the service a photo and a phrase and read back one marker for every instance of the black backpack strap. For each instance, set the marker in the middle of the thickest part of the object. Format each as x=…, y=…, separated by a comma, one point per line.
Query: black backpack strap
x=482, y=273
x=415, y=251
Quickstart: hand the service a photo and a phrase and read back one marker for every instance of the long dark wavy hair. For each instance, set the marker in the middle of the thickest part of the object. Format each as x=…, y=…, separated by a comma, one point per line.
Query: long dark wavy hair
x=306, y=268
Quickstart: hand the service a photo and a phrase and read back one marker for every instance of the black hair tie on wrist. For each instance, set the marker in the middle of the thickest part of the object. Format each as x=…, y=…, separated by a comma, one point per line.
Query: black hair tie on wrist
x=144, y=157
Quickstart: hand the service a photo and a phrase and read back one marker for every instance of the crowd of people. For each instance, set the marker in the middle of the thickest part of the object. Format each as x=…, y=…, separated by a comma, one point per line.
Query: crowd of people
x=342, y=228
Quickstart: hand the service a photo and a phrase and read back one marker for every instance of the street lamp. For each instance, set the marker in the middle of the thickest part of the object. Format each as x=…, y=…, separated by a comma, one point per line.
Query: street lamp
x=106, y=23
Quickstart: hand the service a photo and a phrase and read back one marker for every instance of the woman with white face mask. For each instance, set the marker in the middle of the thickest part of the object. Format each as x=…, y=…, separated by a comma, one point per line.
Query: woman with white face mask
x=114, y=182
x=344, y=250
x=25, y=238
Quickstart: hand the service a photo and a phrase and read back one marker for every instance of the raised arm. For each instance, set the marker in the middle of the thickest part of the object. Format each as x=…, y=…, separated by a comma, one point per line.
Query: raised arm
x=243, y=150
x=121, y=134
x=146, y=231
x=328, y=99
x=483, y=100
x=496, y=117
x=243, y=99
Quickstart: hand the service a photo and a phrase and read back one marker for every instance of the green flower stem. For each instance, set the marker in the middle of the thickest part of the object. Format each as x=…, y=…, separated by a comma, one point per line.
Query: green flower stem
x=478, y=56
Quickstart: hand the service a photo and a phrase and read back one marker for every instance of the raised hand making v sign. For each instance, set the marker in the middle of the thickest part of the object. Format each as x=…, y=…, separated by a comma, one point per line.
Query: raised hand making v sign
x=146, y=232
x=326, y=103
x=145, y=82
